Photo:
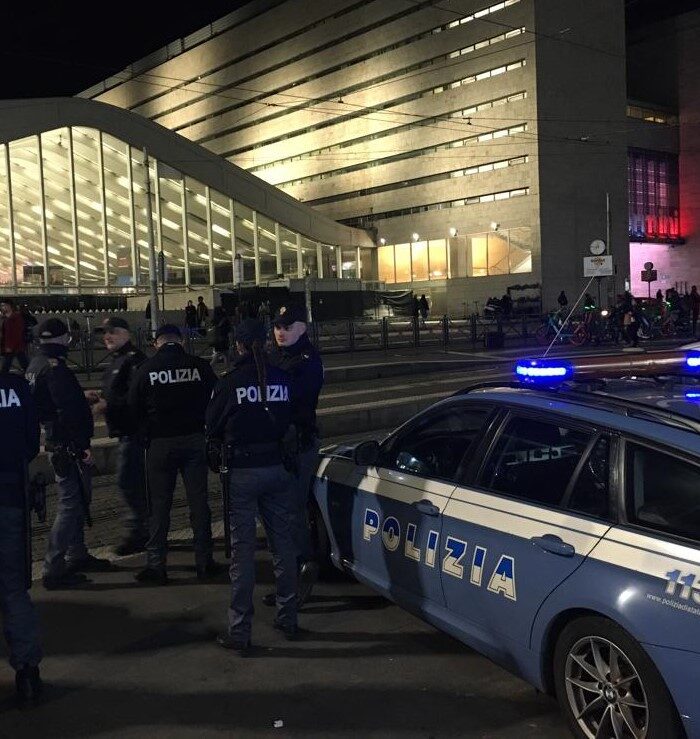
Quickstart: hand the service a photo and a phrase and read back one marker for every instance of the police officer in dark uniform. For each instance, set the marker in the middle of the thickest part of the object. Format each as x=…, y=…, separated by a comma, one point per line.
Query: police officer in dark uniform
x=65, y=415
x=113, y=404
x=168, y=398
x=19, y=429
x=296, y=355
x=250, y=412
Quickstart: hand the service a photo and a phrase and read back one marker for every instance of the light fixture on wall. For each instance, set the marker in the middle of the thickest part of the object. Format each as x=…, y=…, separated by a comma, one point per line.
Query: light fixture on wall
x=453, y=232
x=382, y=241
x=494, y=225
x=415, y=237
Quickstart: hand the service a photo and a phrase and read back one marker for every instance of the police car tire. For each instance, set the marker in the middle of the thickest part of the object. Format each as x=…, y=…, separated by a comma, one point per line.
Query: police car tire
x=664, y=722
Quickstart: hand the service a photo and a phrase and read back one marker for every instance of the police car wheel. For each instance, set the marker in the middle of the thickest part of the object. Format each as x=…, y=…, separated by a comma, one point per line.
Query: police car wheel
x=608, y=687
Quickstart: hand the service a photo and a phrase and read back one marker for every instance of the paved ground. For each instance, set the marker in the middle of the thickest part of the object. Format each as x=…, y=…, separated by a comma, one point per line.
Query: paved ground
x=132, y=661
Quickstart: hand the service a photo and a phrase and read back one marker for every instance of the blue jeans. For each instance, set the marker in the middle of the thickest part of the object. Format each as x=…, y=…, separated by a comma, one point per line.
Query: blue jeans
x=67, y=539
x=19, y=618
x=308, y=464
x=131, y=481
x=269, y=490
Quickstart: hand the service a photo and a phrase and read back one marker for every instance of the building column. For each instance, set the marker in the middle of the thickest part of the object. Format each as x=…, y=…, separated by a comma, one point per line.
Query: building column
x=300, y=259
x=210, y=235
x=10, y=216
x=358, y=262
x=73, y=207
x=256, y=247
x=103, y=204
x=185, y=231
x=232, y=229
x=338, y=262
x=132, y=215
x=278, y=248
x=319, y=260
x=42, y=195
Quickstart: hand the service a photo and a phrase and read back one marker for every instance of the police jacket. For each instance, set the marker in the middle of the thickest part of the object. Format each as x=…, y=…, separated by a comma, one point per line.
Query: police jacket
x=169, y=393
x=303, y=363
x=238, y=415
x=116, y=381
x=63, y=410
x=19, y=430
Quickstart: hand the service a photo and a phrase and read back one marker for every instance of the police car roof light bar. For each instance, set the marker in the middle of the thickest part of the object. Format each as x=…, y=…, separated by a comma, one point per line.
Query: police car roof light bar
x=545, y=371
x=692, y=360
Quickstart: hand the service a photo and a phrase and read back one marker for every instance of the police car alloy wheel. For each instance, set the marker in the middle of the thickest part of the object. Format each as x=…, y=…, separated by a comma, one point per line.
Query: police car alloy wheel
x=608, y=687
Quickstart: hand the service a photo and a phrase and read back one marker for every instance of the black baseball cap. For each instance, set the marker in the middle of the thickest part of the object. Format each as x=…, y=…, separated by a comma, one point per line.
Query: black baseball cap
x=250, y=330
x=169, y=329
x=52, y=328
x=115, y=322
x=289, y=314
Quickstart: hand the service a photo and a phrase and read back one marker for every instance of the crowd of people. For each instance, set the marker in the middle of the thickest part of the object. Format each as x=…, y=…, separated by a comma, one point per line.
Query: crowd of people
x=171, y=416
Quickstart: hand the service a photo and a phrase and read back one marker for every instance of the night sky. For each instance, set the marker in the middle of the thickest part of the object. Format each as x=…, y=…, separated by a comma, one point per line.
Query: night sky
x=63, y=47
x=66, y=46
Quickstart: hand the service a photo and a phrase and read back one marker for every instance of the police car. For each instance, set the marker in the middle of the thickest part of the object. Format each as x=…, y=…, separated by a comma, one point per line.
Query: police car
x=552, y=524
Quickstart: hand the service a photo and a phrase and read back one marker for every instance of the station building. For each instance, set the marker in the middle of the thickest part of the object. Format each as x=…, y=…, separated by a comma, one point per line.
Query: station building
x=453, y=148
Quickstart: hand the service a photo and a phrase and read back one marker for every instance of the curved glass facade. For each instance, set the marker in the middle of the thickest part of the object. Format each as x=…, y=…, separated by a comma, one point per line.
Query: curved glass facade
x=74, y=216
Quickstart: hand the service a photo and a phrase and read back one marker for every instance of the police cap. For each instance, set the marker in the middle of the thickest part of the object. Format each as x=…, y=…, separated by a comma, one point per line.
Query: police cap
x=52, y=328
x=169, y=329
x=250, y=330
x=115, y=322
x=289, y=314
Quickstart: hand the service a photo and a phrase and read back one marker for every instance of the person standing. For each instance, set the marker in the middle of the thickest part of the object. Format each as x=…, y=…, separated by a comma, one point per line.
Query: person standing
x=249, y=413
x=65, y=415
x=562, y=300
x=424, y=308
x=168, y=399
x=14, y=341
x=113, y=404
x=694, y=307
x=220, y=337
x=190, y=318
x=202, y=312
x=19, y=426
x=295, y=354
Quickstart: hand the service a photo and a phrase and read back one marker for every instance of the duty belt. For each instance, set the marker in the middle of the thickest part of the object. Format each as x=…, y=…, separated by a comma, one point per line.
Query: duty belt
x=248, y=450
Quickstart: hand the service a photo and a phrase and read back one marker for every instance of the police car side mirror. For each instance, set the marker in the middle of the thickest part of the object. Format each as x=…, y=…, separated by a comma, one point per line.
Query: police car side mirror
x=367, y=453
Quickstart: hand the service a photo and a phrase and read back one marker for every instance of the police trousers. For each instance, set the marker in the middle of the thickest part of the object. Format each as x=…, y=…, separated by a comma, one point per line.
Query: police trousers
x=66, y=545
x=269, y=491
x=131, y=481
x=19, y=618
x=301, y=533
x=165, y=458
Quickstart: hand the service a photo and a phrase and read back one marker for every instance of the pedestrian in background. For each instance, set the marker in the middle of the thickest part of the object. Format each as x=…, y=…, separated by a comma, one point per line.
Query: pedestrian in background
x=19, y=428
x=191, y=319
x=220, y=342
x=67, y=420
x=168, y=399
x=202, y=312
x=13, y=342
x=424, y=308
x=694, y=307
x=250, y=412
x=113, y=403
x=562, y=300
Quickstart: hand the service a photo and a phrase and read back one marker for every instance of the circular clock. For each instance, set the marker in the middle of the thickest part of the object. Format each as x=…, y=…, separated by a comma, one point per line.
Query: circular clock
x=597, y=247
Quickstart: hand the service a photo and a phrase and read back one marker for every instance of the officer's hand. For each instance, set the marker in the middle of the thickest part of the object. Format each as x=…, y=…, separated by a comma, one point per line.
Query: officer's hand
x=87, y=457
x=92, y=396
x=99, y=408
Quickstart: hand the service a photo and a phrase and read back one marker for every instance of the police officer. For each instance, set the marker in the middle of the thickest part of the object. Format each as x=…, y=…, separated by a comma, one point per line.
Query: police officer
x=295, y=354
x=19, y=428
x=65, y=415
x=250, y=413
x=168, y=398
x=112, y=403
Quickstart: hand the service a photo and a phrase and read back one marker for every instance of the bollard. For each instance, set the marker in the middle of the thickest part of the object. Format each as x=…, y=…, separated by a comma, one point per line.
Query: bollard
x=416, y=332
x=445, y=331
x=385, y=333
x=351, y=334
x=472, y=322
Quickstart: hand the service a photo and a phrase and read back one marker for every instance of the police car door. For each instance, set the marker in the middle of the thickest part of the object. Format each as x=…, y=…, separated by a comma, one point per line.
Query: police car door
x=508, y=539
x=403, y=499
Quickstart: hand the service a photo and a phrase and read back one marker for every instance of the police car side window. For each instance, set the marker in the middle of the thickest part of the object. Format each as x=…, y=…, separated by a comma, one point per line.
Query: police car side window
x=435, y=446
x=534, y=460
x=662, y=492
x=590, y=493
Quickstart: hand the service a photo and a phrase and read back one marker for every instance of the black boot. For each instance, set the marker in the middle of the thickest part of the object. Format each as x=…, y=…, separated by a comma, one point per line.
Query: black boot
x=131, y=545
x=307, y=579
x=152, y=576
x=210, y=570
x=28, y=684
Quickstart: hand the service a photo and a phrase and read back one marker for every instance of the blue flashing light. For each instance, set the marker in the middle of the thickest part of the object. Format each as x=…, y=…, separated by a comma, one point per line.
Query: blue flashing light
x=543, y=371
x=693, y=395
x=692, y=360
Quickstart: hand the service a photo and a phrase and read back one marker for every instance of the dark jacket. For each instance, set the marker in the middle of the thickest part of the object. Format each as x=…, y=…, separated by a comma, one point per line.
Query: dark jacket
x=19, y=429
x=220, y=333
x=169, y=393
x=116, y=381
x=13, y=334
x=237, y=415
x=63, y=410
x=303, y=363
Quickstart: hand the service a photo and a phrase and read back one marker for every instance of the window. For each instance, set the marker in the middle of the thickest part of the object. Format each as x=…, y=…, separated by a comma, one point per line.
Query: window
x=534, y=460
x=663, y=492
x=590, y=493
x=435, y=446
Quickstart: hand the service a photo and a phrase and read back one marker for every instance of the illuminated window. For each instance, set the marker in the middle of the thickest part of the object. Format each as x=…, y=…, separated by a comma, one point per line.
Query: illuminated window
x=419, y=260
x=438, y=259
x=385, y=259
x=653, y=195
x=402, y=255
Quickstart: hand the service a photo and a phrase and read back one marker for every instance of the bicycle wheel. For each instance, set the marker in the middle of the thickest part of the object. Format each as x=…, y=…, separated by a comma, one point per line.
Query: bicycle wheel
x=579, y=336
